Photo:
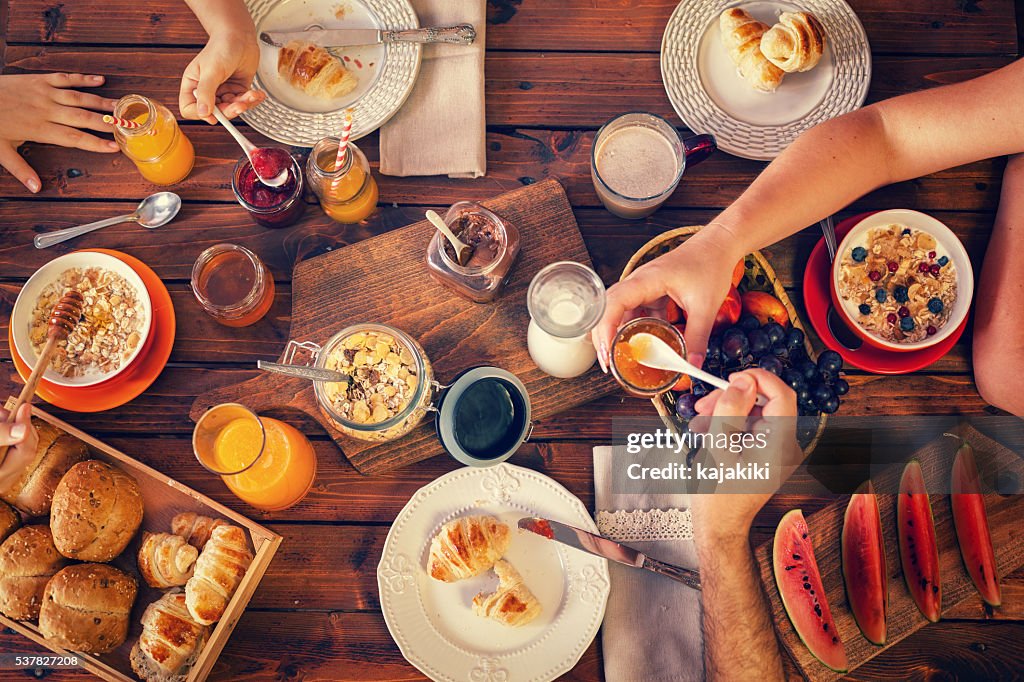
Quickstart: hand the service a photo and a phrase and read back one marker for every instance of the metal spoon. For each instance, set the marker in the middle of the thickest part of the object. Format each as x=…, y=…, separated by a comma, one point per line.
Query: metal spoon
x=838, y=328
x=156, y=210
x=249, y=148
x=651, y=351
x=303, y=372
x=463, y=251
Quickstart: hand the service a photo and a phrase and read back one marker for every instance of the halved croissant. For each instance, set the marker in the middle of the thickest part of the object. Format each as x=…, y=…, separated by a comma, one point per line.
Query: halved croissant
x=195, y=528
x=466, y=547
x=741, y=35
x=170, y=641
x=219, y=569
x=795, y=43
x=512, y=603
x=166, y=560
x=314, y=70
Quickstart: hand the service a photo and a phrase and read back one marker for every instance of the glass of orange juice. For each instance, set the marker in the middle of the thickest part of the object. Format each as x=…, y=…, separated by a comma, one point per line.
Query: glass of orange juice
x=347, y=194
x=264, y=462
x=156, y=145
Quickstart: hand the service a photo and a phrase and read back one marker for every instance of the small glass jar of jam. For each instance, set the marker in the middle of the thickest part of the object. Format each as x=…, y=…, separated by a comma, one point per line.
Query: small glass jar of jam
x=232, y=285
x=273, y=207
x=639, y=380
x=495, y=246
x=347, y=194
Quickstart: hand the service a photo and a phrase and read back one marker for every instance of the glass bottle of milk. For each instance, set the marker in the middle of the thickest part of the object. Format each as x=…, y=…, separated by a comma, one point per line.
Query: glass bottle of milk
x=566, y=300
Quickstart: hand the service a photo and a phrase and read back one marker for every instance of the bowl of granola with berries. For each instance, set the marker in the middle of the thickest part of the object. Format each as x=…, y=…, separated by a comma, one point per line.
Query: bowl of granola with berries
x=117, y=318
x=902, y=280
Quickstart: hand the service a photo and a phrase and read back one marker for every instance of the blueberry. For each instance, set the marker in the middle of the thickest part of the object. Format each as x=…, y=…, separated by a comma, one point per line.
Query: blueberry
x=842, y=387
x=907, y=324
x=943, y=261
x=881, y=295
x=795, y=338
x=905, y=232
x=864, y=309
x=859, y=254
x=935, y=305
x=900, y=294
x=830, y=361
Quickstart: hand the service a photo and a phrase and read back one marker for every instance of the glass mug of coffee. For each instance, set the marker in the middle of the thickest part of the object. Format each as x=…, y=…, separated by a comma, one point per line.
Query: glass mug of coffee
x=638, y=160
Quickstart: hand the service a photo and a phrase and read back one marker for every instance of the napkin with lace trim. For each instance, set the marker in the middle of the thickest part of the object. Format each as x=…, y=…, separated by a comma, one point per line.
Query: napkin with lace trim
x=652, y=627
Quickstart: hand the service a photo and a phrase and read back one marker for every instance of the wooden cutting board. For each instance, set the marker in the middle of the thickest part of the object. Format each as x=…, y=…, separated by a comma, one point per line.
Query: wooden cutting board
x=904, y=618
x=384, y=279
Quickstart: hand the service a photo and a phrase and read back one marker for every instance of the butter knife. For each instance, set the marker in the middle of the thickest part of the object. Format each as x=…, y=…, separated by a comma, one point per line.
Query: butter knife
x=609, y=549
x=463, y=34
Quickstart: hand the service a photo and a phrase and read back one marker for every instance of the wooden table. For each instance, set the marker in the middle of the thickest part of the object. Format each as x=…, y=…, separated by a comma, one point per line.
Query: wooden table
x=555, y=72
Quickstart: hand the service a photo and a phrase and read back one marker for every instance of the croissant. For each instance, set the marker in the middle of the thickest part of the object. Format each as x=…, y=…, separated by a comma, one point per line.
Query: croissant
x=219, y=569
x=314, y=70
x=466, y=547
x=512, y=603
x=170, y=641
x=741, y=35
x=795, y=43
x=194, y=528
x=166, y=560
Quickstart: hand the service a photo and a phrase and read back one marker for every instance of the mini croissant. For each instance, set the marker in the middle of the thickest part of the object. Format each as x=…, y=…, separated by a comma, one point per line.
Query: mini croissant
x=795, y=43
x=466, y=547
x=512, y=603
x=166, y=560
x=170, y=641
x=219, y=570
x=741, y=35
x=314, y=70
x=195, y=528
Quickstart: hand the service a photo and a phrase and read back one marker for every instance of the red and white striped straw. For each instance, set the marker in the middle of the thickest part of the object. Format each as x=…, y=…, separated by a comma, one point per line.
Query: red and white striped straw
x=346, y=133
x=121, y=122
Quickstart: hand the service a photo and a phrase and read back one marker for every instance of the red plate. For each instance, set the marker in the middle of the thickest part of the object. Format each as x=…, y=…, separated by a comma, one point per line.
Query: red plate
x=139, y=376
x=817, y=301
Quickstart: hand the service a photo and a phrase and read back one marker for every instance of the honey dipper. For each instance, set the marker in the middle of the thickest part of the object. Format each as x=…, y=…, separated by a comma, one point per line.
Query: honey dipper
x=63, y=318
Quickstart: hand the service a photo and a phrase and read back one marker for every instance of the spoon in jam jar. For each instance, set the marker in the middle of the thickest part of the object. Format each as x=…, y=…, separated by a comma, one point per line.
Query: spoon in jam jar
x=462, y=250
x=271, y=164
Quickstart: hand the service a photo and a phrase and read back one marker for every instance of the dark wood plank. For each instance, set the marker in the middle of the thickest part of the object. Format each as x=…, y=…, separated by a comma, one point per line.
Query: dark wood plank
x=918, y=26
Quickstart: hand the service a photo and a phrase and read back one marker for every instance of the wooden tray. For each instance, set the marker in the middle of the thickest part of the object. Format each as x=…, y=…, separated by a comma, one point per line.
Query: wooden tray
x=163, y=498
x=904, y=618
x=384, y=279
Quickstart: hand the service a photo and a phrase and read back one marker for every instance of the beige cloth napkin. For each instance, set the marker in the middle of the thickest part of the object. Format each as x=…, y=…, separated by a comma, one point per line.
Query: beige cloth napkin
x=652, y=626
x=441, y=128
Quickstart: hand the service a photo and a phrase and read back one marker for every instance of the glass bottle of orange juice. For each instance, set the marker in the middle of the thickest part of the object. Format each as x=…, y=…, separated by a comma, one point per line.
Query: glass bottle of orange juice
x=264, y=462
x=155, y=144
x=348, y=194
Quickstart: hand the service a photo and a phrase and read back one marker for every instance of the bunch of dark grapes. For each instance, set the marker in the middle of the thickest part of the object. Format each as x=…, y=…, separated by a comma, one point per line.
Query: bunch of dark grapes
x=779, y=350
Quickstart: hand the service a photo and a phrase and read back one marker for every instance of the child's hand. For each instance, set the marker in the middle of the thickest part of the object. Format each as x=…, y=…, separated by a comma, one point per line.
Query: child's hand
x=23, y=439
x=221, y=73
x=42, y=108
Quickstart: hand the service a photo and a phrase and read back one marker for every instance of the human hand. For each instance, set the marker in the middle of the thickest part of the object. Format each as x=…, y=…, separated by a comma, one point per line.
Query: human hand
x=221, y=73
x=23, y=439
x=724, y=514
x=42, y=108
x=696, y=275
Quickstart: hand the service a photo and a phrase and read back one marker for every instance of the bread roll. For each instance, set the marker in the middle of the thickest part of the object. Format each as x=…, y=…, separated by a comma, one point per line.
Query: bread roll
x=86, y=608
x=220, y=568
x=96, y=510
x=166, y=560
x=10, y=520
x=512, y=603
x=170, y=641
x=314, y=70
x=466, y=547
x=794, y=44
x=195, y=528
x=28, y=560
x=55, y=454
x=741, y=36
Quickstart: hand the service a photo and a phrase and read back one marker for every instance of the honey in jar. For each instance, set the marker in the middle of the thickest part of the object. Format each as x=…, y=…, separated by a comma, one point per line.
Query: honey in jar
x=157, y=146
x=637, y=379
x=232, y=285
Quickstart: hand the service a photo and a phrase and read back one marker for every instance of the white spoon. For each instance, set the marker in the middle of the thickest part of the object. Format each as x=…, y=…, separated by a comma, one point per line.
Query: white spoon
x=249, y=148
x=463, y=251
x=651, y=351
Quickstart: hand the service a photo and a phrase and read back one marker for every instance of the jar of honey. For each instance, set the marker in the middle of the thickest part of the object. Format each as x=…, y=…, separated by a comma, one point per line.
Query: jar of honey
x=639, y=380
x=232, y=285
x=157, y=147
x=347, y=194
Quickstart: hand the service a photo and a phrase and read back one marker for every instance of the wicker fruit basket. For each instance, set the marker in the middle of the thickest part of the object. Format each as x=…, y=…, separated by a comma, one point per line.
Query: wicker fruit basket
x=758, y=276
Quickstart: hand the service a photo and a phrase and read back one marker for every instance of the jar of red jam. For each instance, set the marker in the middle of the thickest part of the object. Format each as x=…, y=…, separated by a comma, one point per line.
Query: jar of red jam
x=639, y=380
x=273, y=207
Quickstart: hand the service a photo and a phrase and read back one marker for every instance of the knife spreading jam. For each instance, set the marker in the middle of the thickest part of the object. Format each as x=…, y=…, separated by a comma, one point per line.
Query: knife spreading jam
x=539, y=526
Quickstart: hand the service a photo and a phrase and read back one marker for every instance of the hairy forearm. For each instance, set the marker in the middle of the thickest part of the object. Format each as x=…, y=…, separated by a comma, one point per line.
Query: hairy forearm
x=739, y=641
x=222, y=17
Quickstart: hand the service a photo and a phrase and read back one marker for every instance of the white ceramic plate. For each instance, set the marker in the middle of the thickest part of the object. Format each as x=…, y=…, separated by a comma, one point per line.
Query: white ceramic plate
x=433, y=622
x=710, y=96
x=21, y=316
x=386, y=74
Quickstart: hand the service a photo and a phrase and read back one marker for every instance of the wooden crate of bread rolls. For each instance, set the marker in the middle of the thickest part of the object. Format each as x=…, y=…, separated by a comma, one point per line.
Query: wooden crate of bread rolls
x=198, y=520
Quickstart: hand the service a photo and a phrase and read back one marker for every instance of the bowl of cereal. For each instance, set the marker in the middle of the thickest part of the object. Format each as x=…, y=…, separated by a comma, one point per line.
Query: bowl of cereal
x=117, y=318
x=902, y=280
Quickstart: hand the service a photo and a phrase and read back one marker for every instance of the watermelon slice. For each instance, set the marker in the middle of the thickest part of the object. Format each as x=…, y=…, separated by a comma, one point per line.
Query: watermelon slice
x=918, y=551
x=864, y=570
x=802, y=592
x=971, y=523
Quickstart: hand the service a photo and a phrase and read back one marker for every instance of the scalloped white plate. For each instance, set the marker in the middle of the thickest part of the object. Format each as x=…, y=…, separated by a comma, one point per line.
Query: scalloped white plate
x=433, y=622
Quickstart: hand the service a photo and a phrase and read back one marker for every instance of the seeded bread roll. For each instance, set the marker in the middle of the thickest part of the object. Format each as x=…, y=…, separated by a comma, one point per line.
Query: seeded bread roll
x=28, y=560
x=86, y=608
x=55, y=454
x=96, y=510
x=10, y=520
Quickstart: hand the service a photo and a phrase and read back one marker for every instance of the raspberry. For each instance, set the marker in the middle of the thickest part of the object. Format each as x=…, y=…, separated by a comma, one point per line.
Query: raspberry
x=891, y=318
x=893, y=266
x=904, y=311
x=874, y=275
x=931, y=254
x=931, y=330
x=934, y=269
x=923, y=267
